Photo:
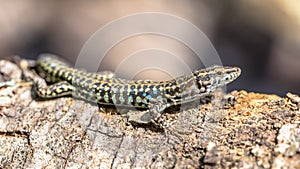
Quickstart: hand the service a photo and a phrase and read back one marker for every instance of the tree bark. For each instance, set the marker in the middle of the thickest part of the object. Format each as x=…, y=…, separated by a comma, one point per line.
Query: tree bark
x=250, y=130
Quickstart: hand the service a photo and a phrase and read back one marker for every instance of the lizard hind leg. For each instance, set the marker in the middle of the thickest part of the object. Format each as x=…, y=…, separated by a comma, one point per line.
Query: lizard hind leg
x=59, y=89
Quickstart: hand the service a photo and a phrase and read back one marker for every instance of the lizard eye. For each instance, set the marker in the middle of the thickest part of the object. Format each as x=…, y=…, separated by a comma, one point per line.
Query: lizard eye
x=219, y=73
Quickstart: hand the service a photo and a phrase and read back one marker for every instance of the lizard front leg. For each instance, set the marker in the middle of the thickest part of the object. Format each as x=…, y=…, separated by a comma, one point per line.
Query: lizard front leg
x=153, y=114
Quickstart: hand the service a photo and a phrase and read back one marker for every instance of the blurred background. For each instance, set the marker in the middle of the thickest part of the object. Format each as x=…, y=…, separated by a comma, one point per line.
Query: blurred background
x=261, y=37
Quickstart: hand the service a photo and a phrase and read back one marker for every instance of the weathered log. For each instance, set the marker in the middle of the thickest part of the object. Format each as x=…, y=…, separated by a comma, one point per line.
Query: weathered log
x=251, y=130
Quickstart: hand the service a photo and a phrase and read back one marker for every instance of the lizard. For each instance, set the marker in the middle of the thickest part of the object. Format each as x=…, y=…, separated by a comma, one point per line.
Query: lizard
x=105, y=89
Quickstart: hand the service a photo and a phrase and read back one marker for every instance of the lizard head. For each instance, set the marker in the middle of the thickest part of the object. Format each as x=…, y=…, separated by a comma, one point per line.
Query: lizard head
x=213, y=77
